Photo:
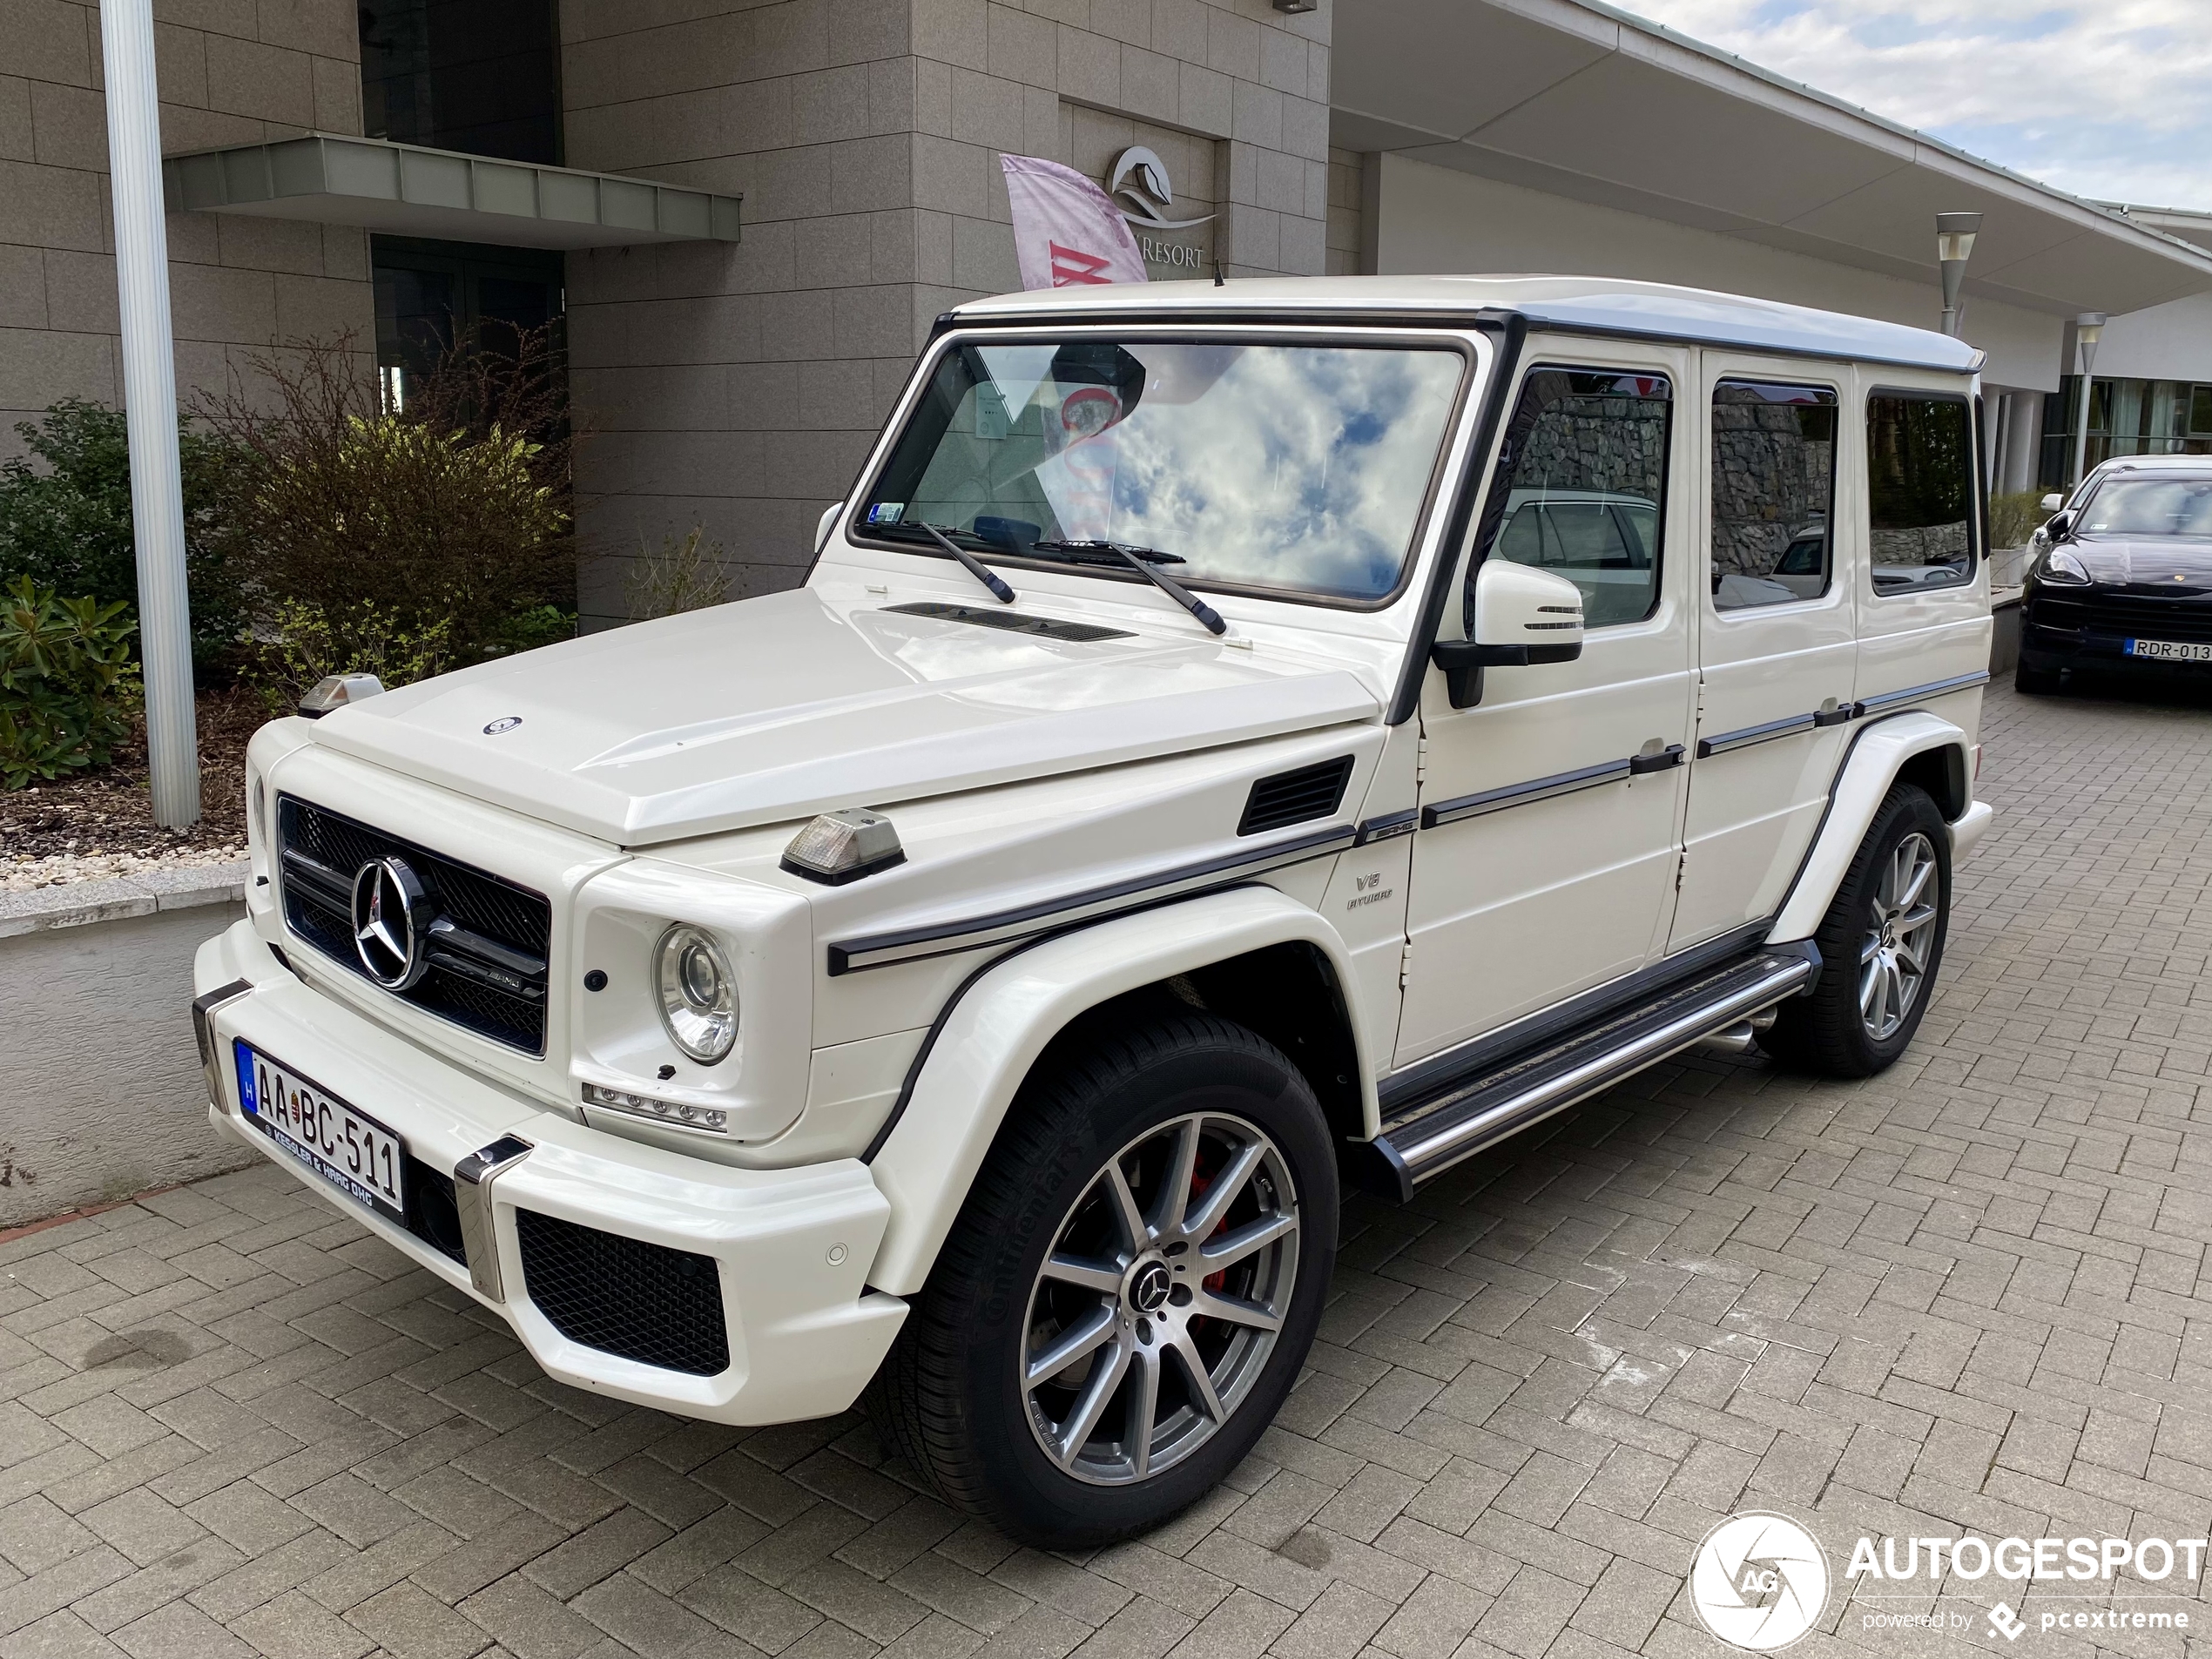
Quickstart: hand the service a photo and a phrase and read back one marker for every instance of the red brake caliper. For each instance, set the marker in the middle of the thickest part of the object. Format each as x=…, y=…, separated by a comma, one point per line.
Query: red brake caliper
x=1198, y=1185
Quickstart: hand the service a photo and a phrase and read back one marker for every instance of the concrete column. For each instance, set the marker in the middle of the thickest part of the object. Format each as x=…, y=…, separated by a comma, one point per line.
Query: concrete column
x=150, y=400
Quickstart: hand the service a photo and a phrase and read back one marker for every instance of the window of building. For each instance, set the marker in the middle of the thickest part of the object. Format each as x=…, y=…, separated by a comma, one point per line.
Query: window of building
x=1774, y=493
x=1582, y=487
x=2127, y=417
x=480, y=75
x=1920, y=476
x=431, y=295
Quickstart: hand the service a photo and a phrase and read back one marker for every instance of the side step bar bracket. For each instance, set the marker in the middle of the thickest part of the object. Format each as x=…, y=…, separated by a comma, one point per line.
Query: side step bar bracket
x=1472, y=1114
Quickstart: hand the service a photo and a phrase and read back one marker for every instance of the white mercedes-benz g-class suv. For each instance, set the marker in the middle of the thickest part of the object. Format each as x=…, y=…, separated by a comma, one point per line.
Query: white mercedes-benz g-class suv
x=1235, y=742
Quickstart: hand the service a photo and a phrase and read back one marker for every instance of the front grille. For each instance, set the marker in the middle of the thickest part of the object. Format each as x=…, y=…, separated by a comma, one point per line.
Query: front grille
x=486, y=951
x=2188, y=621
x=1294, y=797
x=624, y=1297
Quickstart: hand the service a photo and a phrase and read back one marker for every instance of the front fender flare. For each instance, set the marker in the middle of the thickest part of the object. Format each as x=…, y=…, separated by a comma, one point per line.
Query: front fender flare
x=1877, y=755
x=992, y=1036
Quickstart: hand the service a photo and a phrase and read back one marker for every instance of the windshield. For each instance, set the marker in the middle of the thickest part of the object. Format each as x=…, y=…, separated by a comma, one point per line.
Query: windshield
x=2150, y=507
x=1265, y=465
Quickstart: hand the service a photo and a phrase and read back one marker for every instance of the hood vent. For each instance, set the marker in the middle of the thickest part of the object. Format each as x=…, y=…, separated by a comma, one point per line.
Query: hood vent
x=1294, y=797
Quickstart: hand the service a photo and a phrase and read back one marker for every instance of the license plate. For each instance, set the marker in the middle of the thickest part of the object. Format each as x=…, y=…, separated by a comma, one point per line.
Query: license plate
x=341, y=1143
x=2169, y=650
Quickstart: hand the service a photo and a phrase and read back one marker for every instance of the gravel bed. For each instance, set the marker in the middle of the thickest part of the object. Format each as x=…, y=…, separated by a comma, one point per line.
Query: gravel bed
x=100, y=825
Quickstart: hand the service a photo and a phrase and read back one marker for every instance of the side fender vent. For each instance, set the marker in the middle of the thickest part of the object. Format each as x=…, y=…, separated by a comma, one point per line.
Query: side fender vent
x=1294, y=797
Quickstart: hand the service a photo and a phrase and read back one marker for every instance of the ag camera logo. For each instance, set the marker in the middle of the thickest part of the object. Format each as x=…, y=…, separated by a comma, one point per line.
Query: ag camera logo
x=1759, y=1581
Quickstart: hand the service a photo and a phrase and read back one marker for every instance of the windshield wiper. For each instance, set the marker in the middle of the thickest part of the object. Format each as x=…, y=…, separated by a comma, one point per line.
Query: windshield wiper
x=975, y=567
x=1142, y=560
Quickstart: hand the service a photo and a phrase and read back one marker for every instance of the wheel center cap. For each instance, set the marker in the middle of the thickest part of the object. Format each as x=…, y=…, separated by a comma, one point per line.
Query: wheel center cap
x=1148, y=1287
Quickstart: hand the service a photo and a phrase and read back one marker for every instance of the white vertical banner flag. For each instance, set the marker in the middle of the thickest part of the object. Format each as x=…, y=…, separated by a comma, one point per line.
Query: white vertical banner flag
x=1066, y=230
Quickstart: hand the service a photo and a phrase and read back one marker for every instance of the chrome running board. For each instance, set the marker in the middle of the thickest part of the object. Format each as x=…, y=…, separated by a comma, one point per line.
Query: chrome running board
x=1426, y=1138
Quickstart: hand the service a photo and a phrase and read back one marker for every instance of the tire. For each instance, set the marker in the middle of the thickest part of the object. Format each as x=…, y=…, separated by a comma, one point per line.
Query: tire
x=2035, y=682
x=1867, y=1003
x=1140, y=1092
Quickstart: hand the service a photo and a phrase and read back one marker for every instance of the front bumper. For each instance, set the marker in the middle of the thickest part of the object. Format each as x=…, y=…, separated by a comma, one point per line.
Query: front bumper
x=2069, y=632
x=791, y=1247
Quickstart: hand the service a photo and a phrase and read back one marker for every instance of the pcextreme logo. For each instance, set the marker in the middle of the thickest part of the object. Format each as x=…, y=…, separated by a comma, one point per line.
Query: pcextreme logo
x=1759, y=1581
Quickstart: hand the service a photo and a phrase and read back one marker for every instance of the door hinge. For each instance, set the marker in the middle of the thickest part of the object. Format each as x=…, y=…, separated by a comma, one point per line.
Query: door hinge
x=1682, y=861
x=1406, y=966
x=1421, y=760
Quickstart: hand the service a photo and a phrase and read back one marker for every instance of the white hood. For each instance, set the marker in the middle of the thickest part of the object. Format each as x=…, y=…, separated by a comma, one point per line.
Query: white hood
x=780, y=707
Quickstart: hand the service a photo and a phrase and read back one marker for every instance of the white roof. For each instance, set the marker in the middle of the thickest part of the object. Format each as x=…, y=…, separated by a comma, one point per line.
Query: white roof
x=1582, y=304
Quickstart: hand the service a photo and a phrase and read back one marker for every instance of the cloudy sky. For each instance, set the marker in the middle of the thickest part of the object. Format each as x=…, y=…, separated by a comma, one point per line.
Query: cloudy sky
x=2111, y=100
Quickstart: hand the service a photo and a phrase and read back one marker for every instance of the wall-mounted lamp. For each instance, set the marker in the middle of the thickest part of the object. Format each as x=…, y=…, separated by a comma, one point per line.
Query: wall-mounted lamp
x=1296, y=6
x=1955, y=235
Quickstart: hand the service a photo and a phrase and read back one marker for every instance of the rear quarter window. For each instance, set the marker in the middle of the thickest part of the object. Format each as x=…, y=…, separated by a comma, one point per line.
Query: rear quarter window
x=1920, y=489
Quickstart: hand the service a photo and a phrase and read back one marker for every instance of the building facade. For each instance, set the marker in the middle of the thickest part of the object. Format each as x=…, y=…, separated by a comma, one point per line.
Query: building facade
x=745, y=215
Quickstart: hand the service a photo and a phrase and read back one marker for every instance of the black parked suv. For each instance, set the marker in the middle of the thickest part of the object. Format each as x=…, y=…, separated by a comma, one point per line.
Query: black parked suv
x=2122, y=579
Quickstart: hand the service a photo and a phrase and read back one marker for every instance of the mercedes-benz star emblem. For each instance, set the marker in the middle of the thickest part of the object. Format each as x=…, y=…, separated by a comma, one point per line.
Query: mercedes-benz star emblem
x=1149, y=1291
x=504, y=723
x=392, y=915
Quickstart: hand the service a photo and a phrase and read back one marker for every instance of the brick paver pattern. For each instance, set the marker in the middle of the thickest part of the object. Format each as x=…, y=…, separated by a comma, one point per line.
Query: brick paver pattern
x=1965, y=1295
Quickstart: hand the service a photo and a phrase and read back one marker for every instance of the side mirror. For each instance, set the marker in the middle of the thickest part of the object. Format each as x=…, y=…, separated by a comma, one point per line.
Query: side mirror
x=1522, y=616
x=826, y=523
x=2051, y=502
x=2059, y=526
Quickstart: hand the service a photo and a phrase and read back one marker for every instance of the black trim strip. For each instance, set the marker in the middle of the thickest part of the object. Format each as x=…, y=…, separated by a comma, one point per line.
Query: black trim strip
x=1387, y=827
x=1491, y=800
x=974, y=932
x=1744, y=737
x=1934, y=688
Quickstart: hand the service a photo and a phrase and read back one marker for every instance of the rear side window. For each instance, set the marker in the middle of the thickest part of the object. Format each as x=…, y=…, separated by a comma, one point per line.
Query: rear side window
x=1921, y=486
x=1774, y=493
x=1581, y=488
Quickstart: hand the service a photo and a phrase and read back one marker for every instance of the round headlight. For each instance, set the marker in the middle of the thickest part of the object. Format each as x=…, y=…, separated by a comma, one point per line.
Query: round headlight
x=699, y=994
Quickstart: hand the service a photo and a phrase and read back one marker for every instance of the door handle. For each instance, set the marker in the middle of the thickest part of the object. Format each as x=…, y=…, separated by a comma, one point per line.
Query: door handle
x=1654, y=759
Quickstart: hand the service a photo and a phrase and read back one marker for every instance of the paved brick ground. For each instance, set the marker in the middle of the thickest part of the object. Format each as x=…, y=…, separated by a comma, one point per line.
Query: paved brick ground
x=1967, y=1295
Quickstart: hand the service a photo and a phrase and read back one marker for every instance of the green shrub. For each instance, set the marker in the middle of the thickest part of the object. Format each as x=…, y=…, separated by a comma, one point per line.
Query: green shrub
x=445, y=523
x=2014, y=516
x=65, y=682
x=65, y=518
x=684, y=573
x=306, y=641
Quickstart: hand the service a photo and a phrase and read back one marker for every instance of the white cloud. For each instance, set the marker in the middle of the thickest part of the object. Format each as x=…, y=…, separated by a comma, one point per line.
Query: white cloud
x=2111, y=100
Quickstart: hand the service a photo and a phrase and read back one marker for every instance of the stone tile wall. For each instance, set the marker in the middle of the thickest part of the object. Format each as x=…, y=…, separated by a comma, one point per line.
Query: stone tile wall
x=737, y=388
x=231, y=72
x=1348, y=253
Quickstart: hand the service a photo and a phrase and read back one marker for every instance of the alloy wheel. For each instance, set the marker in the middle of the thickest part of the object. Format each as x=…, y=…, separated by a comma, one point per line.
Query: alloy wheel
x=1893, y=959
x=1161, y=1298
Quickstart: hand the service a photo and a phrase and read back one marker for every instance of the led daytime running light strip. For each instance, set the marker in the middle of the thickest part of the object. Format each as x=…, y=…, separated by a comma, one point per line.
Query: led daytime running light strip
x=675, y=1114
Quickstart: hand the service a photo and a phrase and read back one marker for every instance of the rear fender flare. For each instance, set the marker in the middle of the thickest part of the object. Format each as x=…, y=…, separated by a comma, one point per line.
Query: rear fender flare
x=1877, y=755
x=987, y=1045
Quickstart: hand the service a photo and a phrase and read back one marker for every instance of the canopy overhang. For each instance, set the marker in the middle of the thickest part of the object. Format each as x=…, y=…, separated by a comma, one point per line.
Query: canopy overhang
x=409, y=190
x=1579, y=100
